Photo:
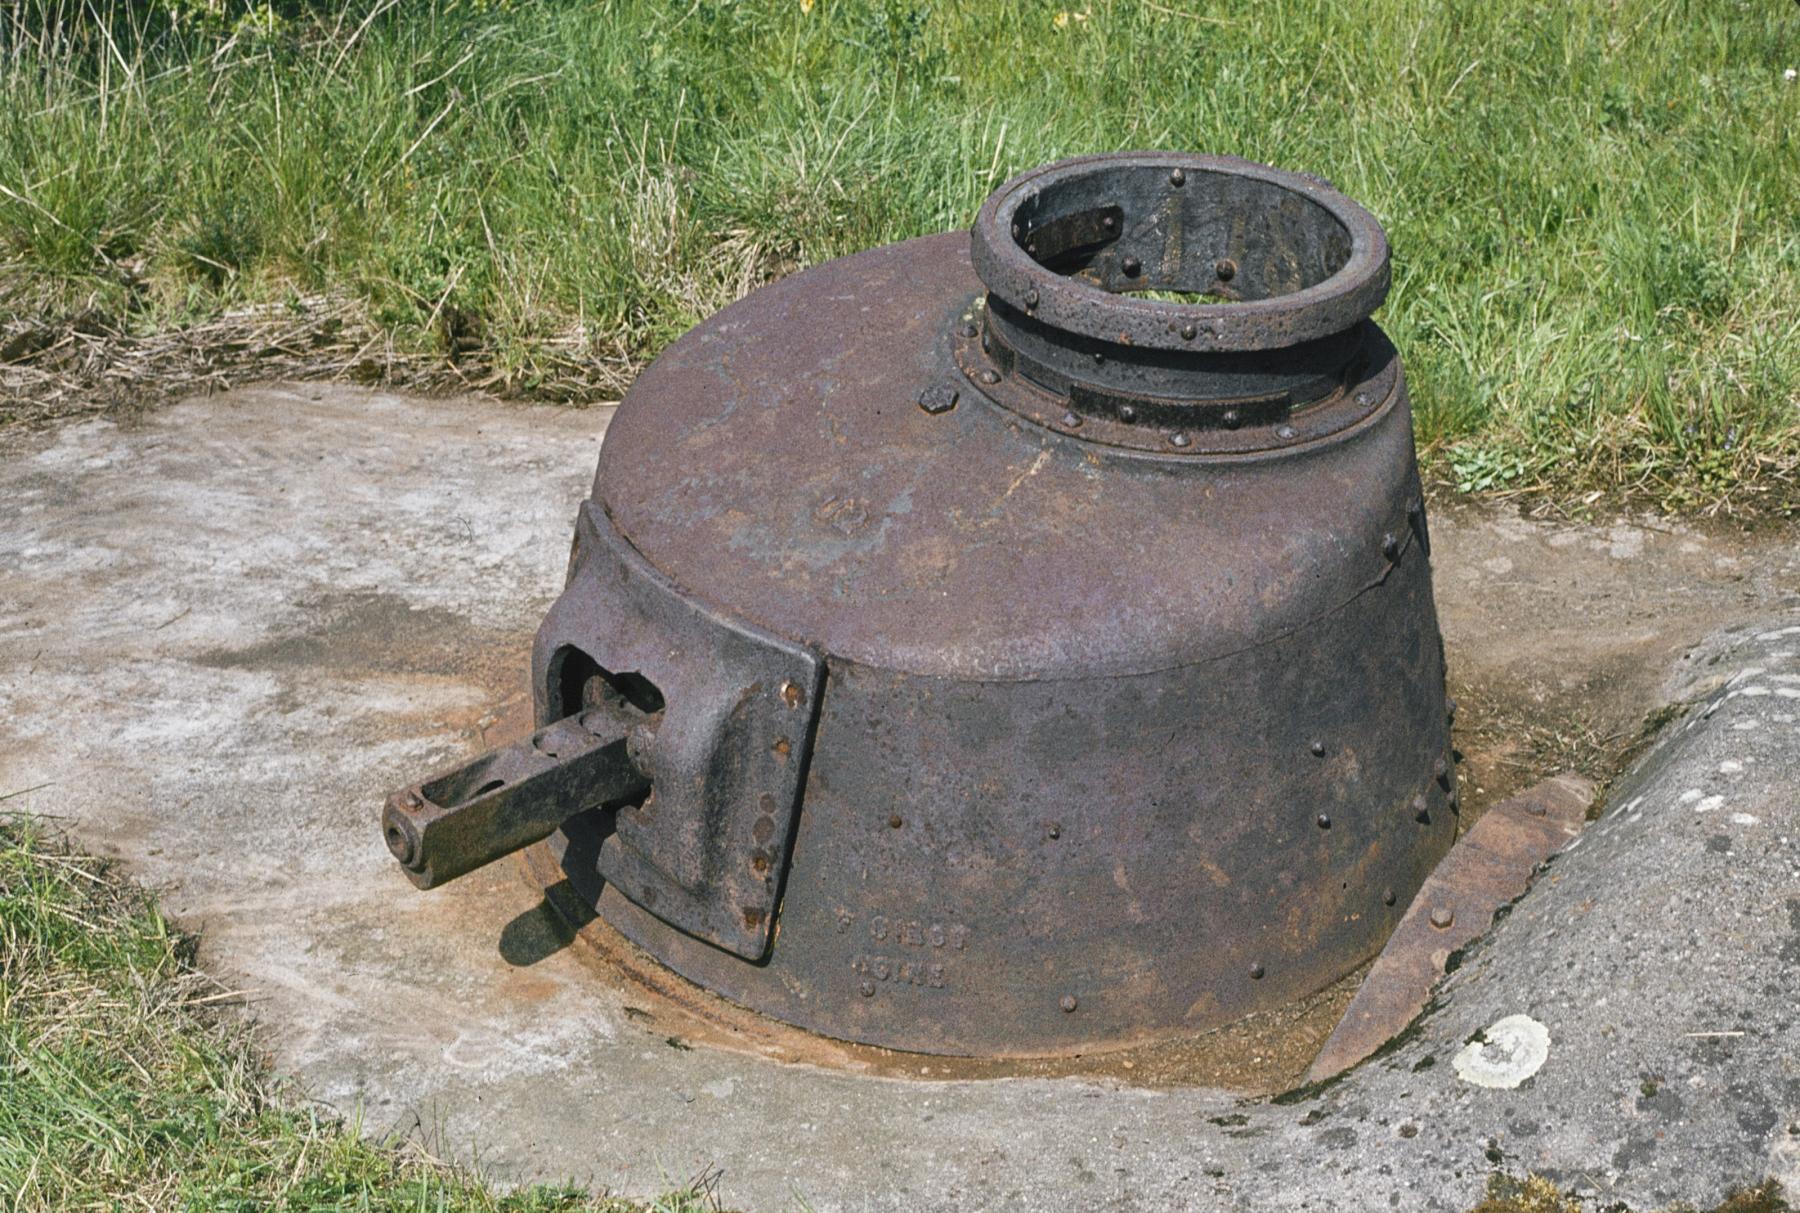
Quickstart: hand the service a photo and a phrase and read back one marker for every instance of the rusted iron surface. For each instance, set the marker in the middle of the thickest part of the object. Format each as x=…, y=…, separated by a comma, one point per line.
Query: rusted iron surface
x=1036, y=668
x=706, y=850
x=510, y=797
x=1489, y=867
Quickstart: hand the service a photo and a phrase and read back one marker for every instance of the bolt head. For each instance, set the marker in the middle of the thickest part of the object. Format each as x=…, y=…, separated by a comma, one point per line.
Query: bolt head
x=1286, y=431
x=1256, y=972
x=1318, y=749
x=1387, y=897
x=1188, y=332
x=989, y=376
x=1031, y=298
x=1390, y=546
x=938, y=398
x=1232, y=419
x=894, y=821
x=1324, y=821
x=1178, y=439
x=1442, y=917
x=1068, y=1003
x=1178, y=178
x=867, y=989
x=1127, y=414
x=1055, y=830
x=1226, y=269
x=1132, y=267
x=1072, y=420
x=969, y=329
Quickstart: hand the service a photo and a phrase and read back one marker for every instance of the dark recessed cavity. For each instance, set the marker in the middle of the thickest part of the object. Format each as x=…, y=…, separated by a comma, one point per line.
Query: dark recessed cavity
x=1219, y=237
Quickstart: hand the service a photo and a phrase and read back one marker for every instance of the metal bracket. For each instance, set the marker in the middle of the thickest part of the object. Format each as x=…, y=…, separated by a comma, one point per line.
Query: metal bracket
x=512, y=797
x=707, y=850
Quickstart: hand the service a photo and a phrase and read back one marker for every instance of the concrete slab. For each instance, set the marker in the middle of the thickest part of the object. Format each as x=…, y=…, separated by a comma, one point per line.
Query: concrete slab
x=226, y=629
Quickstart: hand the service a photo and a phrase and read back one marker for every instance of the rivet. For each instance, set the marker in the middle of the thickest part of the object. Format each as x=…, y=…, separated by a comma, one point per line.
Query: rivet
x=1031, y=250
x=1256, y=972
x=1187, y=332
x=1226, y=269
x=1324, y=822
x=1132, y=267
x=1232, y=419
x=1055, y=830
x=868, y=989
x=1449, y=711
x=1390, y=546
x=1441, y=772
x=1421, y=813
x=989, y=376
x=1109, y=223
x=1387, y=897
x=1178, y=439
x=412, y=801
x=1318, y=749
x=1362, y=398
x=1015, y=231
x=1286, y=431
x=1442, y=917
x=938, y=398
x=984, y=341
x=1127, y=413
x=1031, y=299
x=1072, y=420
x=969, y=329
x=894, y=822
x=1068, y=1002
x=1177, y=178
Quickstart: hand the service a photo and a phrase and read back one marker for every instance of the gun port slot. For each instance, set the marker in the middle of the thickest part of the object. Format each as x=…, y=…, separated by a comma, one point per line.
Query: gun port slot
x=577, y=681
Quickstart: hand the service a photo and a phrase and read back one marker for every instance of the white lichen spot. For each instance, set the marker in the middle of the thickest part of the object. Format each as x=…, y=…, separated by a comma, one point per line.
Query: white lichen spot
x=1753, y=692
x=1788, y=692
x=1779, y=633
x=1744, y=819
x=1741, y=675
x=1730, y=766
x=1709, y=804
x=1744, y=726
x=1690, y=796
x=1509, y=1052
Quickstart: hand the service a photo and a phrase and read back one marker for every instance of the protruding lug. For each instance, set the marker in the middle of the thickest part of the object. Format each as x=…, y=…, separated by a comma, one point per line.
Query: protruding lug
x=519, y=794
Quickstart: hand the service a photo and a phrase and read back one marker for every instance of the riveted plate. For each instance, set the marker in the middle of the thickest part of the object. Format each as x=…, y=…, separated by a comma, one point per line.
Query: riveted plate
x=706, y=852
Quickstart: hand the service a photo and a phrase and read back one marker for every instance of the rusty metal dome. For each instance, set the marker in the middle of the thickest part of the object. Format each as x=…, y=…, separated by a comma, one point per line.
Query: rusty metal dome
x=1007, y=643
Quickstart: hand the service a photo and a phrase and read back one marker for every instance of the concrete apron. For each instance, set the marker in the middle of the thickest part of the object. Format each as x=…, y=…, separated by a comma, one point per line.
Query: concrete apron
x=227, y=629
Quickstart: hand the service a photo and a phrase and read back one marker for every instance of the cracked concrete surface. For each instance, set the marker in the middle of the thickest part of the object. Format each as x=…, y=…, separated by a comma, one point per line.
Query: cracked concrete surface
x=227, y=628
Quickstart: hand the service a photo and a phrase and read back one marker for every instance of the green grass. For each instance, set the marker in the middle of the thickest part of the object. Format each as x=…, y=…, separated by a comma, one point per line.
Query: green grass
x=120, y=1089
x=1594, y=204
